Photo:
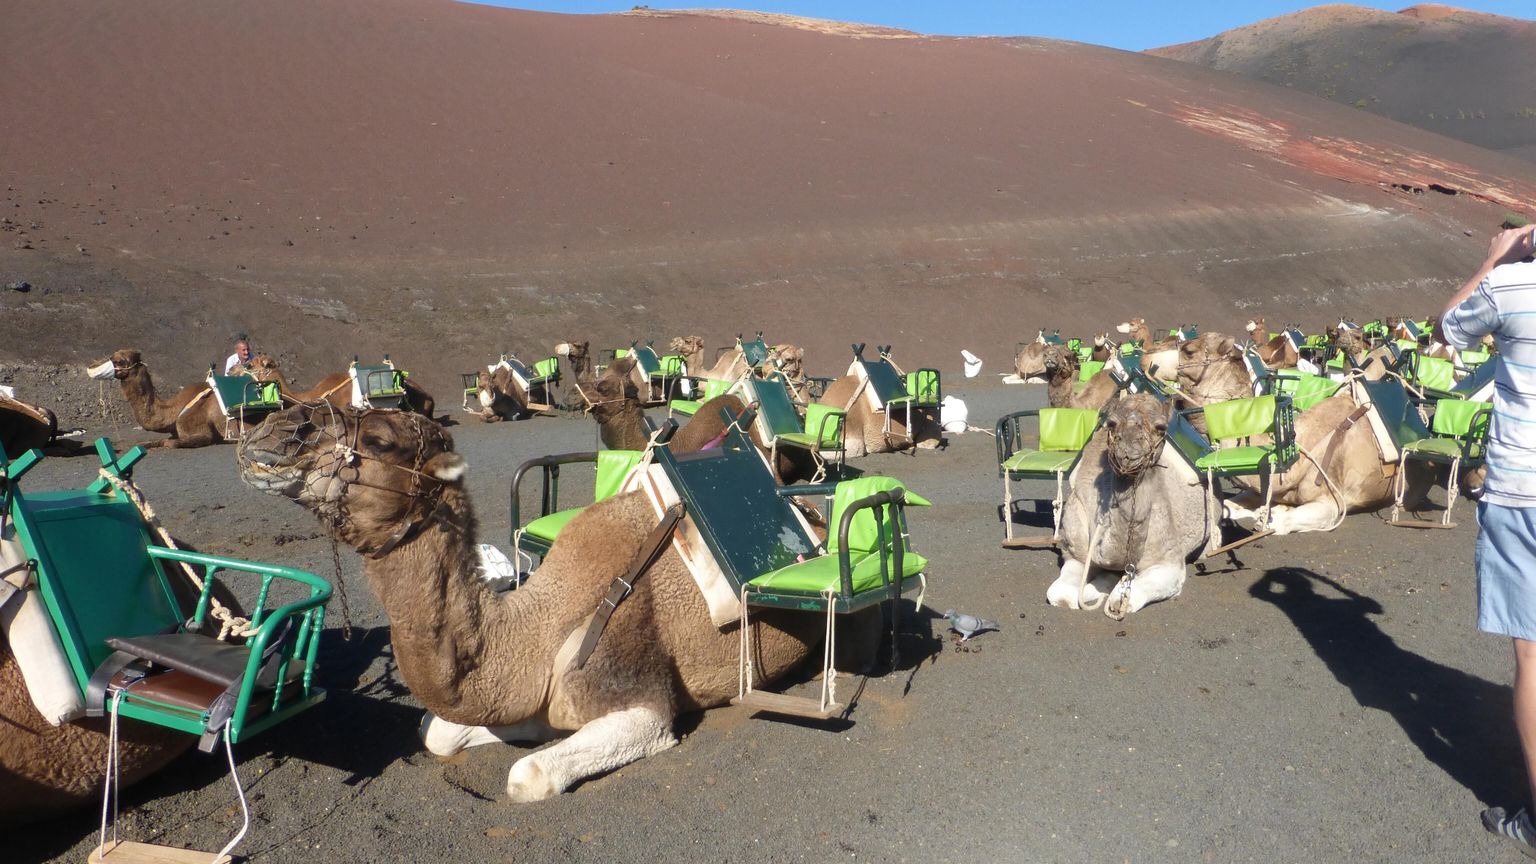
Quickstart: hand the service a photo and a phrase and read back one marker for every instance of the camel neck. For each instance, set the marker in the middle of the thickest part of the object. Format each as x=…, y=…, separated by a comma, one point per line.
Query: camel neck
x=462, y=648
x=624, y=428
x=151, y=412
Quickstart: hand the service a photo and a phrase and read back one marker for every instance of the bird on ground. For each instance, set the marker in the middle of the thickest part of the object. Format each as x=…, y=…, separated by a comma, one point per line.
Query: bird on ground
x=968, y=625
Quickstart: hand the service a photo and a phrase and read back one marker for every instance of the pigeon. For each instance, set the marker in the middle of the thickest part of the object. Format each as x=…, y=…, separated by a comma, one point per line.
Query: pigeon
x=968, y=625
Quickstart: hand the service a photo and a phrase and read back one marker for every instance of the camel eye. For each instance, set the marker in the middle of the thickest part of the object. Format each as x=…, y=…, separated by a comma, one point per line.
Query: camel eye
x=1161, y=426
x=374, y=442
x=1112, y=423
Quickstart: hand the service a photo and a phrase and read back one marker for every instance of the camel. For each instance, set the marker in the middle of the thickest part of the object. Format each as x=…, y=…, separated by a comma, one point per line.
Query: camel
x=1158, y=358
x=1354, y=478
x=1124, y=517
x=335, y=388
x=26, y=427
x=621, y=425
x=729, y=366
x=493, y=666
x=1029, y=364
x=501, y=396
x=1276, y=352
x=866, y=430
x=1062, y=370
x=1373, y=362
x=192, y=417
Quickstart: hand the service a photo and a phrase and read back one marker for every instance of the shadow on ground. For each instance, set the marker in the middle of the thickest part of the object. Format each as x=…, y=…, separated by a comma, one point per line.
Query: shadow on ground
x=1460, y=722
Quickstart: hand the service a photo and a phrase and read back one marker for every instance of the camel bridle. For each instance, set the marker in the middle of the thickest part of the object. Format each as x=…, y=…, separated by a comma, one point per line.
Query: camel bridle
x=341, y=463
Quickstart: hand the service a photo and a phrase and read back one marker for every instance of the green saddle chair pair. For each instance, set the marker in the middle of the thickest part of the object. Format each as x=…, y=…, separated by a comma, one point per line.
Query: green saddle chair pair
x=1458, y=438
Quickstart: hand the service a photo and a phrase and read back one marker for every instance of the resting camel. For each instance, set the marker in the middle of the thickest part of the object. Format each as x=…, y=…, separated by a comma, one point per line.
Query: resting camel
x=1276, y=352
x=1062, y=372
x=1124, y=517
x=500, y=666
x=865, y=430
x=621, y=423
x=1029, y=363
x=789, y=359
x=335, y=388
x=1357, y=479
x=26, y=427
x=192, y=417
x=1157, y=357
x=46, y=770
x=501, y=397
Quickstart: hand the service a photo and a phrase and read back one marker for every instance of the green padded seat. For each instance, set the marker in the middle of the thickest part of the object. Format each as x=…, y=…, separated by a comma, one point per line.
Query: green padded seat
x=1090, y=369
x=672, y=365
x=1040, y=462
x=1447, y=447
x=547, y=528
x=923, y=387
x=822, y=574
x=1434, y=373
x=1473, y=359
x=546, y=369
x=1305, y=389
x=713, y=387
x=1243, y=460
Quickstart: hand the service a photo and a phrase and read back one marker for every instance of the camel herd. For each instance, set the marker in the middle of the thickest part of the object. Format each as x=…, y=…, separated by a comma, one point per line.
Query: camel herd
x=496, y=666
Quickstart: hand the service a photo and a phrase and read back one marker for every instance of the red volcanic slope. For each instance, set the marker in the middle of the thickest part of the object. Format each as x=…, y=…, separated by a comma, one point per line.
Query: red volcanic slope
x=1468, y=75
x=445, y=180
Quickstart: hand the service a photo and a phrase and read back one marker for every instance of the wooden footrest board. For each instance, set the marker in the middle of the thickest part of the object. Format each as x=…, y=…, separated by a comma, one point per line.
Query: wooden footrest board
x=1030, y=543
x=1239, y=543
x=794, y=706
x=1420, y=523
x=113, y=852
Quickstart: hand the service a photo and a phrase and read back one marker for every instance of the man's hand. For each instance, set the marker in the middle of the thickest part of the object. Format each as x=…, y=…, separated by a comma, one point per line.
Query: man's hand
x=1511, y=245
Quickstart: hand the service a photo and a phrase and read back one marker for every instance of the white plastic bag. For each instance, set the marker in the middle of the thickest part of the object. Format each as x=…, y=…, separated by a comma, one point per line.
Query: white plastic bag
x=972, y=364
x=953, y=414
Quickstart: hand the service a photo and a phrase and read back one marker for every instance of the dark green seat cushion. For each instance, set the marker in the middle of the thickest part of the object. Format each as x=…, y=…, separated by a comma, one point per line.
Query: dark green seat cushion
x=1245, y=460
x=547, y=528
x=823, y=573
x=1039, y=462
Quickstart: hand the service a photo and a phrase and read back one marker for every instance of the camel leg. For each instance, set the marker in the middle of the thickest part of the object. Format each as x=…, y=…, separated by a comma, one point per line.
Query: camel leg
x=1064, y=591
x=1313, y=516
x=611, y=741
x=1157, y=582
x=443, y=738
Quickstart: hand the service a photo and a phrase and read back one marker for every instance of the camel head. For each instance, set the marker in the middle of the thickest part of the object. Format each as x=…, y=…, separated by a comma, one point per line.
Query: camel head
x=791, y=361
x=368, y=474
x=1348, y=339
x=1137, y=426
x=1137, y=329
x=615, y=390
x=1257, y=327
x=117, y=366
x=1060, y=362
x=576, y=353
x=1203, y=358
x=483, y=382
x=264, y=368
x=686, y=345
x=1101, y=340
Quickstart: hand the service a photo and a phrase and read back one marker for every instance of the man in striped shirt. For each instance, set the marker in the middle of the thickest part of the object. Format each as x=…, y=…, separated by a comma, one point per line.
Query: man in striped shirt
x=1500, y=299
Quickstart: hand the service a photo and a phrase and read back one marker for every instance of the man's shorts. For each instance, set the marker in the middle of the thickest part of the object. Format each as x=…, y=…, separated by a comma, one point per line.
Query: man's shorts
x=1506, y=570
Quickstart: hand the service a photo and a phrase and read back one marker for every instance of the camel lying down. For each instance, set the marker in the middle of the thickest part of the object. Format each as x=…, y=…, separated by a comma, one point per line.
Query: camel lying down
x=500, y=666
x=1136, y=516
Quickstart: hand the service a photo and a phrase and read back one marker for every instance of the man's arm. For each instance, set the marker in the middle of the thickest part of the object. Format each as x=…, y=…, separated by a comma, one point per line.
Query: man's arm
x=1508, y=246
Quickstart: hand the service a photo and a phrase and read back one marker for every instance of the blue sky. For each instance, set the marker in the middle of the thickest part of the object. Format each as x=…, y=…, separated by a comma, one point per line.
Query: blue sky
x=1129, y=24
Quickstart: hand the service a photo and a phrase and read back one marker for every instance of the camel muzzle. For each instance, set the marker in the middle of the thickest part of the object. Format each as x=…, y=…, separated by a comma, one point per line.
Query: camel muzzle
x=102, y=372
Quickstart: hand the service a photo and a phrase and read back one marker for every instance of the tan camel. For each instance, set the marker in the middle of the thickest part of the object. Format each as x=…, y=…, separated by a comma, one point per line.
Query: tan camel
x=1158, y=356
x=727, y=367
x=1354, y=477
x=500, y=666
x=1276, y=352
x=335, y=388
x=1373, y=362
x=192, y=417
x=1129, y=532
x=867, y=430
x=1062, y=373
x=1029, y=362
x=501, y=396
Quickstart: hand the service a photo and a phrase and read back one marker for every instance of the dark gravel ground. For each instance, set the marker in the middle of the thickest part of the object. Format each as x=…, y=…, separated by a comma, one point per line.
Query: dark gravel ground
x=1328, y=699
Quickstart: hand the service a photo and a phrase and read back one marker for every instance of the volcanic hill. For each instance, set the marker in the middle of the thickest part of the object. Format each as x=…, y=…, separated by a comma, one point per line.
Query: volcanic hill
x=441, y=181
x=1467, y=75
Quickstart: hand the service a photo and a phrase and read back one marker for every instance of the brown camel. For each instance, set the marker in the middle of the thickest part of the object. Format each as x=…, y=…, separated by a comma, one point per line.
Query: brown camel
x=1029, y=362
x=621, y=424
x=1276, y=352
x=335, y=388
x=727, y=367
x=1354, y=476
x=499, y=666
x=1062, y=372
x=192, y=417
x=501, y=396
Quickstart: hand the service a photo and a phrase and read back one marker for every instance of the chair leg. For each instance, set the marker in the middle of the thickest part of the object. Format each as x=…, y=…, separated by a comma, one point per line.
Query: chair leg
x=1399, y=487
x=1056, y=507
x=1007, y=507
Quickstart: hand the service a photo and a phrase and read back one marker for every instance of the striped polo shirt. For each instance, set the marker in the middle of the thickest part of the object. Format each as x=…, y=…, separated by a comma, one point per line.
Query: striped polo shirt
x=1505, y=305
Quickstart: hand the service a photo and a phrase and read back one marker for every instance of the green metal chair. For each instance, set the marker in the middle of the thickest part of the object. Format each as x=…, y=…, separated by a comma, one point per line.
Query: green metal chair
x=381, y=386
x=1244, y=424
x=539, y=535
x=133, y=649
x=1436, y=376
x=761, y=545
x=1063, y=433
x=1478, y=383
x=243, y=399
x=705, y=388
x=1304, y=389
x=1458, y=438
x=925, y=388
x=778, y=424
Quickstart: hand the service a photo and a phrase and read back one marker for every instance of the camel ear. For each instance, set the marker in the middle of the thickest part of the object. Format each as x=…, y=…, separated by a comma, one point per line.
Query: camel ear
x=447, y=466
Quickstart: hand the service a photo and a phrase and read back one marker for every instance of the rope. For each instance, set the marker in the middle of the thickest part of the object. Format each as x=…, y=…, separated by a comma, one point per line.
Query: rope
x=229, y=623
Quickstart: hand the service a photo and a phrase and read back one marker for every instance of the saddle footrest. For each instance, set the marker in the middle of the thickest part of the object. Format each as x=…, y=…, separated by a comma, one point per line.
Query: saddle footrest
x=794, y=706
x=113, y=852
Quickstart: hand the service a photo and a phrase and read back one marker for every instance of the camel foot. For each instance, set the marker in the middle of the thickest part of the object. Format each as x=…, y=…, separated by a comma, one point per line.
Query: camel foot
x=1064, y=592
x=443, y=738
x=611, y=741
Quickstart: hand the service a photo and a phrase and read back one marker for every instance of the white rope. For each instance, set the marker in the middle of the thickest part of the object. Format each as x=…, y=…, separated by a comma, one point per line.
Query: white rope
x=229, y=623
x=829, y=650
x=245, y=811
x=109, y=790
